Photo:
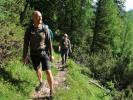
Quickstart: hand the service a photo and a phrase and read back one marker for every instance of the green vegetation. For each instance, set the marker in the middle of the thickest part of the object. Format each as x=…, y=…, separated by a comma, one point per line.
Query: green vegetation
x=18, y=81
x=129, y=15
x=101, y=35
x=107, y=24
x=78, y=86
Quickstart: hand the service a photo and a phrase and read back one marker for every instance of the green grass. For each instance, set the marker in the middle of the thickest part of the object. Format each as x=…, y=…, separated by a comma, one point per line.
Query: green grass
x=79, y=87
x=18, y=81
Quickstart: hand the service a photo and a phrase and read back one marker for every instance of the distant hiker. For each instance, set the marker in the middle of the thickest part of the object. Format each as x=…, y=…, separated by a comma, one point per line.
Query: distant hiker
x=64, y=48
x=38, y=39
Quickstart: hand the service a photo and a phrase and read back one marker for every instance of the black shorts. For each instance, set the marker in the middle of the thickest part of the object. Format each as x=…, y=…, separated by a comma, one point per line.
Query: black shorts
x=44, y=60
x=64, y=52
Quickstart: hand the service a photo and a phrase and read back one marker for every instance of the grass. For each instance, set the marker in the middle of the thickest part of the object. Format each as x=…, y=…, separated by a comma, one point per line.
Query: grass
x=17, y=81
x=79, y=87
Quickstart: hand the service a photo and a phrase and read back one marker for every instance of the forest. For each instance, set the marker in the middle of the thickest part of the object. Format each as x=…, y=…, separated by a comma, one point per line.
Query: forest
x=101, y=35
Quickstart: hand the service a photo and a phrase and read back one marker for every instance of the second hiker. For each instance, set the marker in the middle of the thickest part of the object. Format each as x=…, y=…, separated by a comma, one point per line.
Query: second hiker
x=64, y=48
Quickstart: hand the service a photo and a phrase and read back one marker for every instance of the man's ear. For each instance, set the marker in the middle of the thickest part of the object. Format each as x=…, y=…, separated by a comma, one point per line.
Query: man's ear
x=40, y=17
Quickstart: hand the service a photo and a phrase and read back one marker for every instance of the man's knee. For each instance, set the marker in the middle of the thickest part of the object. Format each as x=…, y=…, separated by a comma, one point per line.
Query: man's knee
x=48, y=72
x=37, y=69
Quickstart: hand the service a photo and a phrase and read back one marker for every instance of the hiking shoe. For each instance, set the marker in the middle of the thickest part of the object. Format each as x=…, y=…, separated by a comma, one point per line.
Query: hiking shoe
x=50, y=98
x=51, y=93
x=38, y=88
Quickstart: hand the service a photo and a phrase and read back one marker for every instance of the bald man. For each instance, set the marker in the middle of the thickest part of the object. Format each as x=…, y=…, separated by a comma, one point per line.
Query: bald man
x=37, y=37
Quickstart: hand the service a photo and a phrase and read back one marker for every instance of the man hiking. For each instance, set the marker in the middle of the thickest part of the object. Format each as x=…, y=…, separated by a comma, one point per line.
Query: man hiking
x=38, y=39
x=64, y=48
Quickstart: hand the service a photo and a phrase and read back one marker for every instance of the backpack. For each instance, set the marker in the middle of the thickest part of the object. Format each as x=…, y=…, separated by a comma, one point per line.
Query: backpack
x=47, y=35
x=51, y=34
x=65, y=43
x=46, y=27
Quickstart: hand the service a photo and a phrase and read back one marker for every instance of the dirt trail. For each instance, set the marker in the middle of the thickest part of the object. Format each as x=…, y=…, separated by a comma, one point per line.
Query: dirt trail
x=59, y=81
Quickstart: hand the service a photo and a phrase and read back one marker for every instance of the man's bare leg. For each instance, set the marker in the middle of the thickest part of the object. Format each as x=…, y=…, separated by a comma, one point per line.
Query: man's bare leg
x=50, y=80
x=63, y=60
x=39, y=74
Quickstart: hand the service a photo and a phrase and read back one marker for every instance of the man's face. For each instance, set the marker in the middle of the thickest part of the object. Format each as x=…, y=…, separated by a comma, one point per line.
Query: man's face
x=37, y=17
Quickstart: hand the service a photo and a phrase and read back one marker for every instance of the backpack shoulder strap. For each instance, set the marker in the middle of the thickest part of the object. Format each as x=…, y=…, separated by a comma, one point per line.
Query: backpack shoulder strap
x=46, y=30
x=45, y=27
x=47, y=34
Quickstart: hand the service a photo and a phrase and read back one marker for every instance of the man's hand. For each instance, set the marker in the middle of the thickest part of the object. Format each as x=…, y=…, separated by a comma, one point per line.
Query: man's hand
x=26, y=60
x=70, y=50
x=59, y=49
x=51, y=58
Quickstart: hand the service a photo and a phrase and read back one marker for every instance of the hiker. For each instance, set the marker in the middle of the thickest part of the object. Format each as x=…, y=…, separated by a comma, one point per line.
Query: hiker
x=64, y=48
x=38, y=39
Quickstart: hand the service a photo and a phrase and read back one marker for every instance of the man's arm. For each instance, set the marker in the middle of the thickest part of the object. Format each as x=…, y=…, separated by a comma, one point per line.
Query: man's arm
x=59, y=47
x=26, y=43
x=49, y=44
x=69, y=44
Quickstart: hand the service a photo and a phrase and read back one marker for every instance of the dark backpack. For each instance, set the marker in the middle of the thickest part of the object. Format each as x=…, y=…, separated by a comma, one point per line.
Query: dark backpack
x=65, y=43
x=44, y=28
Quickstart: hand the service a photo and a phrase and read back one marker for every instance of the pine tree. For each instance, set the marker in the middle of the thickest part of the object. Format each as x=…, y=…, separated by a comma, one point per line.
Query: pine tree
x=107, y=26
x=75, y=18
x=121, y=6
x=126, y=37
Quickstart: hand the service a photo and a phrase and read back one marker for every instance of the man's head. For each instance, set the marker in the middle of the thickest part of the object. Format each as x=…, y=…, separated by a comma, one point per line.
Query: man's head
x=65, y=35
x=37, y=17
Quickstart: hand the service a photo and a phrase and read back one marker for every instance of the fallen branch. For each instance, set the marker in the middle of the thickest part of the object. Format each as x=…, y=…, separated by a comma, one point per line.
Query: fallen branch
x=94, y=82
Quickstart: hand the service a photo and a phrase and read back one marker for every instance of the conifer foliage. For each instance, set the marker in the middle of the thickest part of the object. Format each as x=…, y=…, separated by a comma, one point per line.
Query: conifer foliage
x=106, y=25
